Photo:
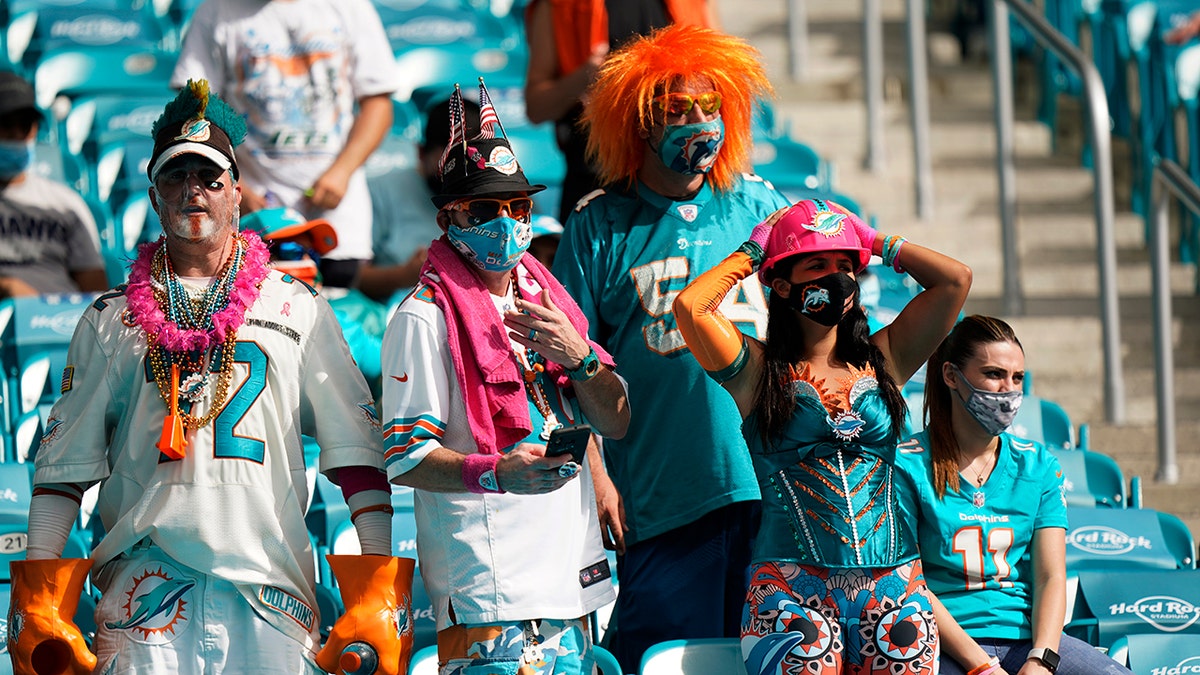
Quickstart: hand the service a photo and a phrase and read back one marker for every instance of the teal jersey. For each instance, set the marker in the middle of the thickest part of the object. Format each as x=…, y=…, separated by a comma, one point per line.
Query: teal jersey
x=976, y=542
x=624, y=257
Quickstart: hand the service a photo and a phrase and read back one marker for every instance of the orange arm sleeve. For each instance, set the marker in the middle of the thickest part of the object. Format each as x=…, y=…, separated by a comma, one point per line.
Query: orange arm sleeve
x=717, y=344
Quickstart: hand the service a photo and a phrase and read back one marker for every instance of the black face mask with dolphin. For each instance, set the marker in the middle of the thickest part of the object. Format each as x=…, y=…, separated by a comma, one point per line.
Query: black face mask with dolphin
x=824, y=299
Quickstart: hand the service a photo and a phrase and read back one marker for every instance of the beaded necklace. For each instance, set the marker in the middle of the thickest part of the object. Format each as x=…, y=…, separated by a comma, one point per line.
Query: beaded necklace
x=193, y=338
x=533, y=384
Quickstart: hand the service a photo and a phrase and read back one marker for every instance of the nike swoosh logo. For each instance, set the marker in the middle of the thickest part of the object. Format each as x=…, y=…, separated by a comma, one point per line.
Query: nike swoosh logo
x=402, y=378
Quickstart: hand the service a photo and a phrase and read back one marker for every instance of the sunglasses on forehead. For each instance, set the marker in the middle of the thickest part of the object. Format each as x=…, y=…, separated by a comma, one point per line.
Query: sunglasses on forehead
x=679, y=103
x=482, y=209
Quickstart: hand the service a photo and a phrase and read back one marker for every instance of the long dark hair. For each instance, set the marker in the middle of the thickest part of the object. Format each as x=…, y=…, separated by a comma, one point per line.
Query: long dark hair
x=785, y=347
x=960, y=346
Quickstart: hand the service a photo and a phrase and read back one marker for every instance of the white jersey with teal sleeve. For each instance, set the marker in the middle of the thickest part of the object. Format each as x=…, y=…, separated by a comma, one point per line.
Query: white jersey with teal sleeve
x=976, y=543
x=491, y=557
x=624, y=257
x=234, y=506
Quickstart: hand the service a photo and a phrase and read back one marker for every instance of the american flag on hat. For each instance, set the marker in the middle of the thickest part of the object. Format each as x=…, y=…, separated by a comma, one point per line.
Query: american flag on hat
x=458, y=126
x=488, y=119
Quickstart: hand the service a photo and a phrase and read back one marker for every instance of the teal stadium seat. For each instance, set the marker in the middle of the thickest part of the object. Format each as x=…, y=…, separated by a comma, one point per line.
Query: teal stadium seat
x=1092, y=478
x=791, y=166
x=26, y=436
x=37, y=28
x=424, y=661
x=1105, y=539
x=85, y=71
x=709, y=656
x=94, y=122
x=441, y=45
x=1120, y=602
x=1044, y=421
x=1158, y=654
x=606, y=661
x=39, y=325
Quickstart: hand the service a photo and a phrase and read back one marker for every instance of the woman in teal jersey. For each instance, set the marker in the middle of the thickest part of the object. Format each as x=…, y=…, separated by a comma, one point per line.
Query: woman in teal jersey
x=990, y=514
x=836, y=586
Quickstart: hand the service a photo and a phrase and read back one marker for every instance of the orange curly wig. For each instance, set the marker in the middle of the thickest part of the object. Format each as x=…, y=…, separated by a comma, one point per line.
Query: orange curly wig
x=619, y=115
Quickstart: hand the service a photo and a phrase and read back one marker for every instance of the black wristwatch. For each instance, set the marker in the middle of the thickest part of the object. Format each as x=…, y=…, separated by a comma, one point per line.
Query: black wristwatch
x=1047, y=656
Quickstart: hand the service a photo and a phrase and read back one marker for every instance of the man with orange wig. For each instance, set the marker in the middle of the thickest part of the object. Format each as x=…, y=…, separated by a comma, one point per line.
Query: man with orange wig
x=669, y=132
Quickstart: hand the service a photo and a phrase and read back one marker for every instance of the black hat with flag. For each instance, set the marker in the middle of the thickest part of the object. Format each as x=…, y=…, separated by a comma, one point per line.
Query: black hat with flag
x=482, y=165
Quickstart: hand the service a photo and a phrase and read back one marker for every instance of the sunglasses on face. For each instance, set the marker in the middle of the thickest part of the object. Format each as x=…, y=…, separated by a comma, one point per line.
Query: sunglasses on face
x=678, y=104
x=481, y=210
x=210, y=177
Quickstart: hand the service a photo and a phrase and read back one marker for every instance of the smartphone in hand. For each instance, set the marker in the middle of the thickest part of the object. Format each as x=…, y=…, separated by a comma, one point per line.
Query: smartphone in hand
x=569, y=441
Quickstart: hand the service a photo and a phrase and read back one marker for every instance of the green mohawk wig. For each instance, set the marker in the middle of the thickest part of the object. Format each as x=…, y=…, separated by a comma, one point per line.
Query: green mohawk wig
x=197, y=121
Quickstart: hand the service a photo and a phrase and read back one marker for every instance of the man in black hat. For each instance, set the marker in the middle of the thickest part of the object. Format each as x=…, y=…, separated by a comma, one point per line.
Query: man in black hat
x=482, y=363
x=185, y=397
x=48, y=238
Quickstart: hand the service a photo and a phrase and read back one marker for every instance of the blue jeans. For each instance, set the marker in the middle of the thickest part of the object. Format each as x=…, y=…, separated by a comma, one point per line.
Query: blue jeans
x=689, y=582
x=1078, y=658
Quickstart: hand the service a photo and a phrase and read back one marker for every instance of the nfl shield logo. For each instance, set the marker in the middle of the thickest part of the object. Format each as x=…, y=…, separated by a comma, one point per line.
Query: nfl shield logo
x=689, y=212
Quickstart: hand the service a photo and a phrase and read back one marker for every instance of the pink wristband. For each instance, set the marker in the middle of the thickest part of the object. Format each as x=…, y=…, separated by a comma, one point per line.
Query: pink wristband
x=479, y=474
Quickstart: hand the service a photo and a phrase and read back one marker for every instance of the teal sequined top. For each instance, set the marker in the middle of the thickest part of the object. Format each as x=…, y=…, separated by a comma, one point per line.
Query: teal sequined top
x=828, y=485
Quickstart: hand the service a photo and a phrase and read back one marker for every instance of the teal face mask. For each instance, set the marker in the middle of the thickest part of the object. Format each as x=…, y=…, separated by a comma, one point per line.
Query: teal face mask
x=493, y=246
x=692, y=148
x=15, y=158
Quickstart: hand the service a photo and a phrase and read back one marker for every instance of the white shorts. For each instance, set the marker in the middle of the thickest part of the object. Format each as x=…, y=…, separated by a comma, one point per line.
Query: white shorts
x=157, y=616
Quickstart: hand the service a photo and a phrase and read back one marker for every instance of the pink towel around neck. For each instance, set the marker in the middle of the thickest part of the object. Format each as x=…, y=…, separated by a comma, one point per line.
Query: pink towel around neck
x=487, y=372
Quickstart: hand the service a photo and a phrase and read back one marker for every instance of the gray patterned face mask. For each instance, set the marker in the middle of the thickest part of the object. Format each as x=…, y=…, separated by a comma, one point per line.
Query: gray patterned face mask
x=994, y=410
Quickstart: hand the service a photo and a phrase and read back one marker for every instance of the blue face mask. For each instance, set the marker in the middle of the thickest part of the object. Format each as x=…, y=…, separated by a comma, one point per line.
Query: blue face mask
x=15, y=158
x=493, y=246
x=691, y=148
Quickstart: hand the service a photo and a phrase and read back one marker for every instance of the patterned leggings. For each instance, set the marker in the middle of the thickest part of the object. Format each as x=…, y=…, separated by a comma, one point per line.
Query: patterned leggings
x=820, y=621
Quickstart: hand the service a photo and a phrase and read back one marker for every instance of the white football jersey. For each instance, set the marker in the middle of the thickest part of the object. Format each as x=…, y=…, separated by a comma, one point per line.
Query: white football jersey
x=233, y=507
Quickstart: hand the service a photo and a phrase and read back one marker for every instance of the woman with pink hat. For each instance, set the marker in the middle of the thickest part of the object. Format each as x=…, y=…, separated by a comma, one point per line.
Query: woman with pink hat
x=836, y=584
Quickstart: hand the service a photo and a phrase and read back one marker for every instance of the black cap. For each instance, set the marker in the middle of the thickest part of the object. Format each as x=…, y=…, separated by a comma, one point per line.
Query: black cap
x=16, y=94
x=481, y=166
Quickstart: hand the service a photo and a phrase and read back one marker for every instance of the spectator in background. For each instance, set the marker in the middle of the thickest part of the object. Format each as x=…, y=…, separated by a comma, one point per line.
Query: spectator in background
x=48, y=238
x=296, y=248
x=669, y=131
x=568, y=42
x=483, y=361
x=405, y=219
x=298, y=70
x=990, y=515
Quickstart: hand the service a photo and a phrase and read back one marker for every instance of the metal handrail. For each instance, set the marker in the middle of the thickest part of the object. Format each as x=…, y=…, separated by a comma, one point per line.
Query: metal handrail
x=797, y=22
x=1169, y=179
x=1096, y=105
x=918, y=107
x=872, y=41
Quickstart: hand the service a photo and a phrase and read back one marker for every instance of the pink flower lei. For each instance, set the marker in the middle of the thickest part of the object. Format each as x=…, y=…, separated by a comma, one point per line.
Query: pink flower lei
x=139, y=297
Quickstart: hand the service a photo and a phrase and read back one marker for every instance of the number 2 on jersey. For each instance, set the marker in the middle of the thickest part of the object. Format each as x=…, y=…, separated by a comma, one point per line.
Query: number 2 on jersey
x=968, y=542
x=227, y=443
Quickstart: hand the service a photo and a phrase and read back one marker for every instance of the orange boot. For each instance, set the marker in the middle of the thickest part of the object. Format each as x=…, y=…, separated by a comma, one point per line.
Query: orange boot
x=377, y=592
x=42, y=636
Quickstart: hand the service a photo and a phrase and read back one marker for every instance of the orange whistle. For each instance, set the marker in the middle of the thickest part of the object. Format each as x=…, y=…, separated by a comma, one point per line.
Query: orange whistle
x=172, y=441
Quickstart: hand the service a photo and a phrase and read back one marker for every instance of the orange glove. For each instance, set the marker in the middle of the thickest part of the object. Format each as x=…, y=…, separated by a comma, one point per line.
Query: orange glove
x=42, y=635
x=377, y=592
